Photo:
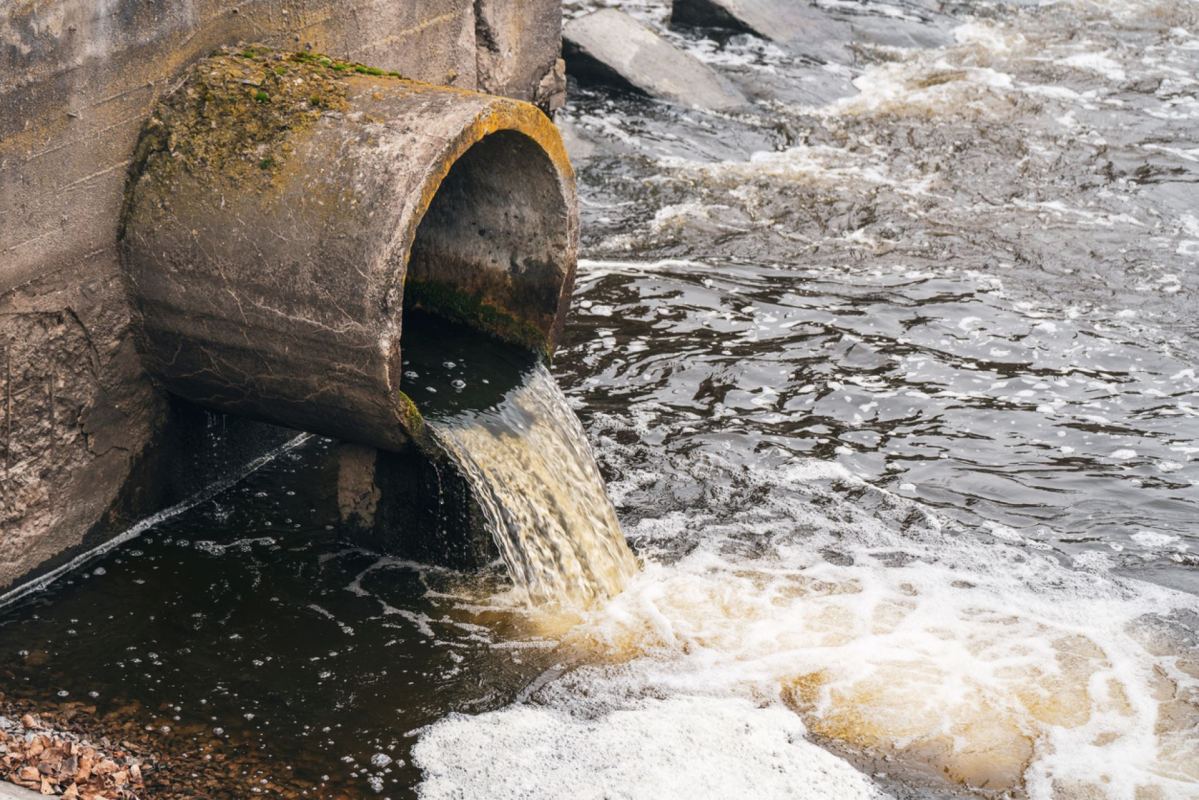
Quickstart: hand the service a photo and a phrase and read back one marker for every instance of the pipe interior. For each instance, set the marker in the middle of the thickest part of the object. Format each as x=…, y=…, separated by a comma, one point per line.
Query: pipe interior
x=492, y=249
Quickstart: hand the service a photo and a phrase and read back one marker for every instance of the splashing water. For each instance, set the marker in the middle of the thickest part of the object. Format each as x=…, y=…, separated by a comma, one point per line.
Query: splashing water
x=525, y=455
x=922, y=657
x=532, y=470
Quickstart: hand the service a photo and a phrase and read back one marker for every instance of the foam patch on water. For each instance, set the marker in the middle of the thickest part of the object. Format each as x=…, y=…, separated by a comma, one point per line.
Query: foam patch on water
x=918, y=87
x=1100, y=63
x=815, y=165
x=924, y=652
x=683, y=746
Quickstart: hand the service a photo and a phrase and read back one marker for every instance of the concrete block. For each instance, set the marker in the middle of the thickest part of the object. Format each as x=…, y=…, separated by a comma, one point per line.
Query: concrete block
x=78, y=78
x=77, y=414
x=518, y=47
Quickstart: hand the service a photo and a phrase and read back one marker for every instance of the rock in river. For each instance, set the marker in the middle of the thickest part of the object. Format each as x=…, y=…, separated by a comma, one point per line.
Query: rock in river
x=611, y=47
x=816, y=31
x=778, y=20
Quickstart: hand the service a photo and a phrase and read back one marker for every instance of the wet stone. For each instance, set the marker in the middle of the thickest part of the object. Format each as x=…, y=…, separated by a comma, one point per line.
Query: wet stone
x=777, y=20
x=610, y=47
x=899, y=33
x=825, y=33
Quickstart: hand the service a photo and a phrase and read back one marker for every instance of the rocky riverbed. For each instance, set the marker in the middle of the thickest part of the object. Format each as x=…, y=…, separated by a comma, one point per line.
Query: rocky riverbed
x=54, y=754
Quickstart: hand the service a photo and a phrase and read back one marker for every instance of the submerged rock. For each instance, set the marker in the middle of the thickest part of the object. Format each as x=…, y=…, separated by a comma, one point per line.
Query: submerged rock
x=901, y=33
x=612, y=48
x=798, y=25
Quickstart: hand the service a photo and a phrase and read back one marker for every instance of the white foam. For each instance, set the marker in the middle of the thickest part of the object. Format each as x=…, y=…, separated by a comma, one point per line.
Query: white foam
x=682, y=746
x=1100, y=63
x=920, y=86
x=1153, y=539
x=882, y=9
x=977, y=661
x=989, y=37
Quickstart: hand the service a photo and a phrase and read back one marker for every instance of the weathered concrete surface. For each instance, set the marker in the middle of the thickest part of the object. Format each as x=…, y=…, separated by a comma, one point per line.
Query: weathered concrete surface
x=519, y=59
x=77, y=412
x=611, y=47
x=77, y=81
x=289, y=207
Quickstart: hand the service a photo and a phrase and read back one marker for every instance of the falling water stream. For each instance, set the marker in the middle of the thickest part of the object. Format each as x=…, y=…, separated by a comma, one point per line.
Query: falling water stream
x=893, y=379
x=504, y=422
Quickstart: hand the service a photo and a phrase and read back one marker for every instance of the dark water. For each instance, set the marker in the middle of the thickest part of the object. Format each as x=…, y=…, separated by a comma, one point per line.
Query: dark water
x=247, y=630
x=893, y=377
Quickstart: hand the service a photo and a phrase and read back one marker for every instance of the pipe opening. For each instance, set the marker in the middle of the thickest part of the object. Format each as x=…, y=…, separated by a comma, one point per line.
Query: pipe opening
x=494, y=249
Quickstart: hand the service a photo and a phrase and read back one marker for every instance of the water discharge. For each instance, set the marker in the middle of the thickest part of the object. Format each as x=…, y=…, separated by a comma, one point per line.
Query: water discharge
x=923, y=657
x=502, y=419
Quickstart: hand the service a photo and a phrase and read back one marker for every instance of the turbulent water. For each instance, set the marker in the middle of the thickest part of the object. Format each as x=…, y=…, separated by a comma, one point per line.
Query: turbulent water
x=893, y=378
x=897, y=373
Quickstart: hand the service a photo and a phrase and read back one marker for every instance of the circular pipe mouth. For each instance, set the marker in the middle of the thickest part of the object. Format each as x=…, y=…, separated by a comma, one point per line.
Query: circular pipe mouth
x=490, y=249
x=287, y=208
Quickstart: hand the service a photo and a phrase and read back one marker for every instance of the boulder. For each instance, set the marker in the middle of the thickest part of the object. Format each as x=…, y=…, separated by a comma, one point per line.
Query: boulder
x=777, y=20
x=811, y=29
x=900, y=33
x=612, y=48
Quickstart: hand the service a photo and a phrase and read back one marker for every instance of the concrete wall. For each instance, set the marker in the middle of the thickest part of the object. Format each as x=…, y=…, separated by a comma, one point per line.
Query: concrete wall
x=78, y=418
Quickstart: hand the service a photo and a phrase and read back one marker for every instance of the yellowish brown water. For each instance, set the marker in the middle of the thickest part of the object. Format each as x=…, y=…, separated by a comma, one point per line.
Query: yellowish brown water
x=535, y=477
x=967, y=686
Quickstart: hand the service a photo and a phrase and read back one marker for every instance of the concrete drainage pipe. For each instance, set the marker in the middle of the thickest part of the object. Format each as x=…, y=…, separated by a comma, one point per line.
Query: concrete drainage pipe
x=281, y=206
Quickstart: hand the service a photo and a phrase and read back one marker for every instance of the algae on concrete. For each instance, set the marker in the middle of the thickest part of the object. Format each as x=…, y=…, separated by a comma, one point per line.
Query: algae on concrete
x=453, y=303
x=236, y=113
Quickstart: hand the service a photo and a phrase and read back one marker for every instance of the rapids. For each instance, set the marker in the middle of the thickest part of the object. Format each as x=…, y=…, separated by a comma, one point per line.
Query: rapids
x=896, y=375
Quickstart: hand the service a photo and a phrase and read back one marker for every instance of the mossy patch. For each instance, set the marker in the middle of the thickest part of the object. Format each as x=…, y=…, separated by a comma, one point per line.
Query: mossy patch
x=413, y=421
x=239, y=109
x=450, y=302
x=342, y=66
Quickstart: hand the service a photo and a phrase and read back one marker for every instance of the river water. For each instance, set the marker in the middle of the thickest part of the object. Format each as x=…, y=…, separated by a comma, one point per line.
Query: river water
x=893, y=379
